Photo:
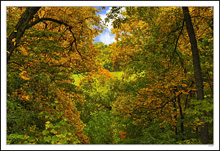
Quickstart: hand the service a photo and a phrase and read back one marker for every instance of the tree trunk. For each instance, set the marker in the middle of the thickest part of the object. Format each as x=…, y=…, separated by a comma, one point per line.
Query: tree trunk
x=197, y=69
x=181, y=115
x=15, y=36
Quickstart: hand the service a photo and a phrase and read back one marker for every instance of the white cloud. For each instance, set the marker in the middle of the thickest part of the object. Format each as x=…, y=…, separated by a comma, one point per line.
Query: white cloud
x=123, y=9
x=107, y=38
x=108, y=9
x=103, y=16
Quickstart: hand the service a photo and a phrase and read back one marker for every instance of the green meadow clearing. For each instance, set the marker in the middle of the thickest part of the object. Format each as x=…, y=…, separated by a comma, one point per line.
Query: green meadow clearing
x=78, y=77
x=117, y=74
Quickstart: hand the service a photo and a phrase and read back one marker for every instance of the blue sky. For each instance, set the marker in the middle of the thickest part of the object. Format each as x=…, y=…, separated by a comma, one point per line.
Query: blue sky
x=106, y=37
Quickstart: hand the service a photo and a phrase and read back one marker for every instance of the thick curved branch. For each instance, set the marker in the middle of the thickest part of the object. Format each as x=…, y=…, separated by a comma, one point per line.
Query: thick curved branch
x=23, y=25
x=53, y=20
x=46, y=19
x=15, y=36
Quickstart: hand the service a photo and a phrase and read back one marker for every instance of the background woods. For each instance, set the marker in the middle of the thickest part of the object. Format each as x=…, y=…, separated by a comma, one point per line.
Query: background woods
x=154, y=85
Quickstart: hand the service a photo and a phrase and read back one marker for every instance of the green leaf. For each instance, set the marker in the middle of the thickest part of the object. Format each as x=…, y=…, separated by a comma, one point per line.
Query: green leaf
x=47, y=139
x=64, y=132
x=58, y=125
x=45, y=132
x=53, y=131
x=51, y=91
x=55, y=139
x=63, y=123
x=75, y=141
x=11, y=136
x=20, y=136
x=69, y=134
x=53, y=104
x=50, y=125
x=63, y=141
x=31, y=139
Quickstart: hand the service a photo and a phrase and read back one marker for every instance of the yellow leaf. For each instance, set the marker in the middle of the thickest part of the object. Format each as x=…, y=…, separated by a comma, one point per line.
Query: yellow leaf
x=24, y=51
x=184, y=92
x=27, y=97
x=25, y=78
x=184, y=85
x=13, y=40
x=22, y=75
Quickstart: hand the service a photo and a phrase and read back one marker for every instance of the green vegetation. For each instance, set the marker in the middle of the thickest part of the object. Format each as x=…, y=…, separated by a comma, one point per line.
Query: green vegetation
x=78, y=77
x=148, y=87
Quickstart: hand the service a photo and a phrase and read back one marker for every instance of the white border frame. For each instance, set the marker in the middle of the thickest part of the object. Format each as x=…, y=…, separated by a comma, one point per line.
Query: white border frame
x=4, y=4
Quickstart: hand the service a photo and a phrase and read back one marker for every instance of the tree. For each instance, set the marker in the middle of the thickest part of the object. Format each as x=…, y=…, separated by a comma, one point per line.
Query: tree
x=197, y=68
x=45, y=46
x=104, y=57
x=154, y=97
x=152, y=40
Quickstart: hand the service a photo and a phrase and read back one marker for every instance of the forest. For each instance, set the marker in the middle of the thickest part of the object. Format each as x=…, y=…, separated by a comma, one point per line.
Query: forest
x=154, y=85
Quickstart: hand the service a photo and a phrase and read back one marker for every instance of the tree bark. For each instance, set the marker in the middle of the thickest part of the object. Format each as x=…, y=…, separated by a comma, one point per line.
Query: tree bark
x=20, y=28
x=181, y=114
x=197, y=69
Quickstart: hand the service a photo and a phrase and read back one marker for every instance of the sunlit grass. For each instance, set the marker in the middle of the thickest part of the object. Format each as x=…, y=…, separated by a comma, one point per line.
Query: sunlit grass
x=117, y=74
x=78, y=77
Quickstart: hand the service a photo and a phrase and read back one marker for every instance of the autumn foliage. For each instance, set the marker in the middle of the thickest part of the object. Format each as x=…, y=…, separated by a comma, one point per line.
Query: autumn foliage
x=153, y=101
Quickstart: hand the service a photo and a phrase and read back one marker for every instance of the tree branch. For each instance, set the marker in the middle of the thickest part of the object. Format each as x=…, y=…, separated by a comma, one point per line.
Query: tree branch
x=19, y=30
x=46, y=19
x=163, y=105
x=181, y=60
x=59, y=22
x=53, y=20
x=179, y=35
